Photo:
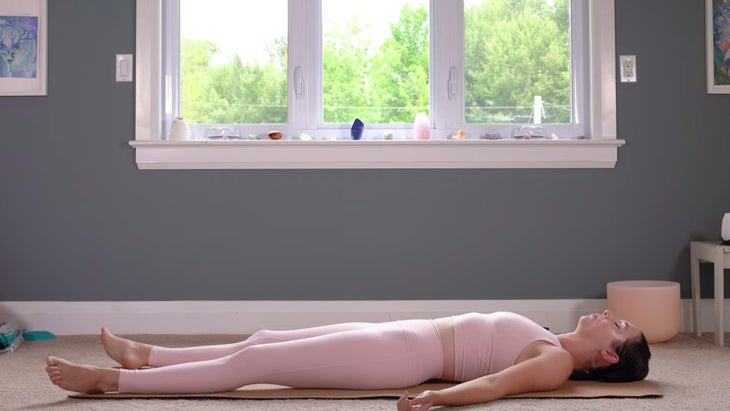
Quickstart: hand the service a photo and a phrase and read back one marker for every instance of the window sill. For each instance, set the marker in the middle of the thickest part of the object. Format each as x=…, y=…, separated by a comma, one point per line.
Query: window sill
x=374, y=154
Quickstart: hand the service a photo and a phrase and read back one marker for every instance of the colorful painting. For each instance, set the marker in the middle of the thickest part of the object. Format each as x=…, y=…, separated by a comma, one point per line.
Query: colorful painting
x=718, y=45
x=19, y=46
x=23, y=48
x=721, y=41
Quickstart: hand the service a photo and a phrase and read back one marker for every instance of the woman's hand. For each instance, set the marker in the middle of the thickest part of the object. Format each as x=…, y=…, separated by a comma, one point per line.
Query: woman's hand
x=422, y=402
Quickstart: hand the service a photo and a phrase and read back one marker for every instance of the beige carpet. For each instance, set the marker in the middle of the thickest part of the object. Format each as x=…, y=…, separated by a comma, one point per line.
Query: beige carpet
x=691, y=372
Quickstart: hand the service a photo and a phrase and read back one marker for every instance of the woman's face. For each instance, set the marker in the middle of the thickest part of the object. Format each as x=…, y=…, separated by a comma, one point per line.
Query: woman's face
x=605, y=328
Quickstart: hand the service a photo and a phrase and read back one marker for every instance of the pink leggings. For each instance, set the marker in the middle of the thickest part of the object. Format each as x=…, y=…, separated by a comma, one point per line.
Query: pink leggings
x=352, y=355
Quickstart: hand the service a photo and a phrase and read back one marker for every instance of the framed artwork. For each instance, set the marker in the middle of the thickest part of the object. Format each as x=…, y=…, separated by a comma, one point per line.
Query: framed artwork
x=717, y=26
x=23, y=47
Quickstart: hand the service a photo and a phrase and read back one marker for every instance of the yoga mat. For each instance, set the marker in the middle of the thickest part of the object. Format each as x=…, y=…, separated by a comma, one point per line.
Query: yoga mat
x=571, y=389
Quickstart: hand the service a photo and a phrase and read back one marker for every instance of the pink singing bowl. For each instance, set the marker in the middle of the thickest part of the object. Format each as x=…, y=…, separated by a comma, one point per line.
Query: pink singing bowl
x=653, y=306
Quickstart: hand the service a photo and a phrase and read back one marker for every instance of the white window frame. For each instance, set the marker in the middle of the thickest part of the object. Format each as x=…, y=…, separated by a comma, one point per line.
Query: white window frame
x=152, y=152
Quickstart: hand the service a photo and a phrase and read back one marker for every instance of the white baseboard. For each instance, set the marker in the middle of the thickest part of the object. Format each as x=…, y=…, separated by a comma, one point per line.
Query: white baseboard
x=245, y=317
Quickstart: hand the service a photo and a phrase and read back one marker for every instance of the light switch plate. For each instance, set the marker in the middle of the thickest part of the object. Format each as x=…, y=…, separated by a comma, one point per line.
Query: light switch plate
x=125, y=67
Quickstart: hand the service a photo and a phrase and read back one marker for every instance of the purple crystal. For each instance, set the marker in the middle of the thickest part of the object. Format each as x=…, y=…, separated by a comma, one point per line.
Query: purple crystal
x=357, y=128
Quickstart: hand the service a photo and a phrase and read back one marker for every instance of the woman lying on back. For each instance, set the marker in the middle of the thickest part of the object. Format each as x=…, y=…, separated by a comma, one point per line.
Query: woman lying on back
x=489, y=355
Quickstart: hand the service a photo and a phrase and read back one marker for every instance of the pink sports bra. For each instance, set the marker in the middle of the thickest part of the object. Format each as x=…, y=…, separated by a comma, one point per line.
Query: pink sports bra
x=488, y=343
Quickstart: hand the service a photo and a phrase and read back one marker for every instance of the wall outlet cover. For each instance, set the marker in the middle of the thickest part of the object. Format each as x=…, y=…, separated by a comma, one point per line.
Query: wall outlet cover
x=627, y=69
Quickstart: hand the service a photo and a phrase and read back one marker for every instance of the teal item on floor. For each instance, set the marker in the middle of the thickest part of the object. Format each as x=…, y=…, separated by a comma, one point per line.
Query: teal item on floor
x=8, y=331
x=9, y=339
x=38, y=335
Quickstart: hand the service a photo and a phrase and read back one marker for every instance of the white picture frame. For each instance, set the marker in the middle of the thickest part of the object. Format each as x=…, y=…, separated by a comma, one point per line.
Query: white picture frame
x=717, y=23
x=23, y=47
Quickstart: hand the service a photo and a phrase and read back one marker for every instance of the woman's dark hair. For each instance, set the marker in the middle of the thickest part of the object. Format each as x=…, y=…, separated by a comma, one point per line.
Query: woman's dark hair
x=632, y=365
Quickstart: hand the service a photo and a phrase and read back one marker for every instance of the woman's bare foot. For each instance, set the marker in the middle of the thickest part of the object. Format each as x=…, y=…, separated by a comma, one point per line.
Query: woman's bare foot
x=129, y=354
x=81, y=378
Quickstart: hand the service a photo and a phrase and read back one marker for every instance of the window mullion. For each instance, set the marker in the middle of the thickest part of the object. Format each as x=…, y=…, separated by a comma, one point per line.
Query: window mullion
x=603, y=69
x=580, y=61
x=302, y=68
x=170, y=61
x=447, y=64
x=314, y=39
x=148, y=76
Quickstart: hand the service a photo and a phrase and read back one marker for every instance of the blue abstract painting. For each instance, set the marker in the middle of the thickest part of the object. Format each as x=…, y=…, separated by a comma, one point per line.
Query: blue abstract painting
x=18, y=46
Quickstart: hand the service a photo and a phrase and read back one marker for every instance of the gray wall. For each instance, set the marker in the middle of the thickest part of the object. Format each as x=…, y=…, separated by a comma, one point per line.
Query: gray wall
x=78, y=221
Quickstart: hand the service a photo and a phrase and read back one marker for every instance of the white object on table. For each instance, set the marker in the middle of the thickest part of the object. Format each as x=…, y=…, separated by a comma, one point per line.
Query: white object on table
x=719, y=255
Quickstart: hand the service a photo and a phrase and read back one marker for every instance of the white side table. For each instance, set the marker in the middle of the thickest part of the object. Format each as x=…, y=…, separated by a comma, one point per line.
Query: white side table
x=718, y=254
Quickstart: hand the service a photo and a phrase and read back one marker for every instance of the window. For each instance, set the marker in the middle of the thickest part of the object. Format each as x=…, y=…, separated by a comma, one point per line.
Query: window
x=232, y=68
x=517, y=61
x=332, y=61
x=375, y=59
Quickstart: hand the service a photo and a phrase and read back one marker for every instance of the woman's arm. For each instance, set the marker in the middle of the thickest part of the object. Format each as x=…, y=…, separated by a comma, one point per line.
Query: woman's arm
x=546, y=370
